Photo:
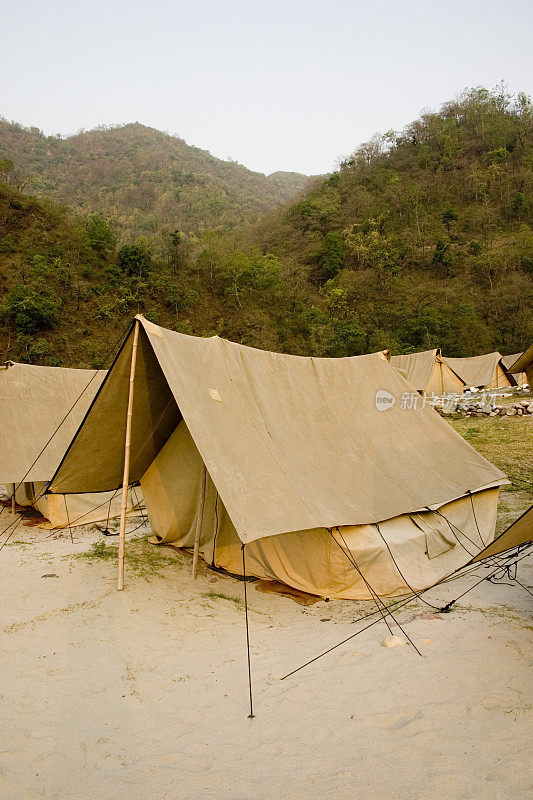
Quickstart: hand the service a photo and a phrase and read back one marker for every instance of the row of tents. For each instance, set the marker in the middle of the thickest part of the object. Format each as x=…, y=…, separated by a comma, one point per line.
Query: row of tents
x=429, y=372
x=283, y=467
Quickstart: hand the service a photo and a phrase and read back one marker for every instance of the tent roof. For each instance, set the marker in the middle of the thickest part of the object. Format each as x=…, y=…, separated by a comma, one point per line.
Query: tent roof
x=417, y=367
x=523, y=361
x=476, y=370
x=508, y=361
x=33, y=402
x=291, y=443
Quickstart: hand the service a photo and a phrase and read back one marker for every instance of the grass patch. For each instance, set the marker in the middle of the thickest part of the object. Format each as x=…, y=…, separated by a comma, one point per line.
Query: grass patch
x=145, y=559
x=212, y=595
x=508, y=443
x=471, y=433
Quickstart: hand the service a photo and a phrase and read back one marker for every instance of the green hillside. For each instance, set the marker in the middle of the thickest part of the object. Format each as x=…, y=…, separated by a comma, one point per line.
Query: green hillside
x=142, y=179
x=424, y=238
x=421, y=239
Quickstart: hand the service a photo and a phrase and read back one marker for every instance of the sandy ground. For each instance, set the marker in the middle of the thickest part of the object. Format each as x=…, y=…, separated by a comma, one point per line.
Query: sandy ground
x=143, y=694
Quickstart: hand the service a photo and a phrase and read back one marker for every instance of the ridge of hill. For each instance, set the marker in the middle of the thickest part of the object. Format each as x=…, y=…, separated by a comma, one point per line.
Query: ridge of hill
x=143, y=179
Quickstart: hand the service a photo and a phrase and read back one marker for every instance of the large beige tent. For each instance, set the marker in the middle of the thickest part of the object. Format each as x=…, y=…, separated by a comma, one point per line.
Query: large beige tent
x=291, y=456
x=483, y=372
x=524, y=363
x=40, y=410
x=428, y=373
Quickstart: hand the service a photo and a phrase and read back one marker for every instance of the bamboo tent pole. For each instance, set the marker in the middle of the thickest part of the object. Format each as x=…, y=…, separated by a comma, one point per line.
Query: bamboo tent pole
x=125, y=479
x=199, y=522
x=13, y=502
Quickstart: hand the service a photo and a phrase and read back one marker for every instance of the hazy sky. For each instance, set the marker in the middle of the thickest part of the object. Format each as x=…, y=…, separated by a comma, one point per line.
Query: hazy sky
x=290, y=85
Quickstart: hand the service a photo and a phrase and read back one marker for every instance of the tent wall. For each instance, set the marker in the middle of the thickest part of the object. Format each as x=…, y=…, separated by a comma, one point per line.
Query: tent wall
x=94, y=461
x=82, y=508
x=423, y=544
x=443, y=380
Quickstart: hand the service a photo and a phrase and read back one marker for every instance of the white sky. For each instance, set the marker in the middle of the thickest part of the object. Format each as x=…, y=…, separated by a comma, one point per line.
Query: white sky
x=291, y=85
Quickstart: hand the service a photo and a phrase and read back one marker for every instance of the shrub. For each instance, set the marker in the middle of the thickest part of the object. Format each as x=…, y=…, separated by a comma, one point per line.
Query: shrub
x=30, y=307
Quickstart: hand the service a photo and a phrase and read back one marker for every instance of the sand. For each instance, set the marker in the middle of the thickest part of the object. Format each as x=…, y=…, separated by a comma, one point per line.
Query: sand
x=143, y=694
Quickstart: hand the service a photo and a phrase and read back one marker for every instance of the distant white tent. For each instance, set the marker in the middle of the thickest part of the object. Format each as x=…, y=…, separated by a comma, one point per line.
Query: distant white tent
x=40, y=410
x=286, y=461
x=428, y=373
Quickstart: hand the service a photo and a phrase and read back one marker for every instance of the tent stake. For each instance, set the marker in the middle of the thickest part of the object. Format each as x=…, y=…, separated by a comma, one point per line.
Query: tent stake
x=68, y=518
x=125, y=480
x=199, y=521
x=251, y=715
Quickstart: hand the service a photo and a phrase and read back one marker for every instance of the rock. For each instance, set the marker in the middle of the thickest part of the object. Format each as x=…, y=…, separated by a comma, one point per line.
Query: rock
x=487, y=409
x=511, y=412
x=393, y=641
x=530, y=409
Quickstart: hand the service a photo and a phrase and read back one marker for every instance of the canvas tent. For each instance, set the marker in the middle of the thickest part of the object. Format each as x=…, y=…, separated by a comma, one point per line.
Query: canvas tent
x=524, y=363
x=519, y=377
x=483, y=372
x=290, y=456
x=428, y=373
x=40, y=410
x=520, y=532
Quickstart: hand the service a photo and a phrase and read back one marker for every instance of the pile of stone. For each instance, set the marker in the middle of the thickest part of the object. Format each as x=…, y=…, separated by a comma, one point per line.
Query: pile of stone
x=485, y=408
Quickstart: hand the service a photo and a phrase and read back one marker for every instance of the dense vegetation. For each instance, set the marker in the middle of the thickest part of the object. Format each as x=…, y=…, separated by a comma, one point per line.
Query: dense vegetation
x=143, y=180
x=423, y=238
x=420, y=239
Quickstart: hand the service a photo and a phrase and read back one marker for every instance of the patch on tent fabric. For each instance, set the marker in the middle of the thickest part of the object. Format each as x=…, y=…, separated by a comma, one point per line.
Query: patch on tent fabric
x=214, y=395
x=275, y=587
x=149, y=327
x=439, y=538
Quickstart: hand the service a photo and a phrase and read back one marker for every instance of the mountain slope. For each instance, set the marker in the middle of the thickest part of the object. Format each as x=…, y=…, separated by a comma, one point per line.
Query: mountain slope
x=424, y=238
x=143, y=179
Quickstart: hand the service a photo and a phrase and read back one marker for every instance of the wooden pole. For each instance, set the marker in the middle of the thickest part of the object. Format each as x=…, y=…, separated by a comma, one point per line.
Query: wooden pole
x=13, y=503
x=126, y=477
x=199, y=521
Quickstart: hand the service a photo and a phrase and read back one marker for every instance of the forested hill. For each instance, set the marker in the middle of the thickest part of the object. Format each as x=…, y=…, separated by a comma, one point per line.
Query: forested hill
x=421, y=239
x=143, y=180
